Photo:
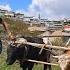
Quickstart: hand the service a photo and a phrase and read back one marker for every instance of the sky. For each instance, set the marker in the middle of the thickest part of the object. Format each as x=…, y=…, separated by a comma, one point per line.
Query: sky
x=46, y=8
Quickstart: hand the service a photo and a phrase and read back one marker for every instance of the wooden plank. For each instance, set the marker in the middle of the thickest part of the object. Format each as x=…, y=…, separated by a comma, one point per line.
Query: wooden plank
x=41, y=45
x=56, y=57
x=67, y=42
x=48, y=46
x=43, y=62
x=57, y=36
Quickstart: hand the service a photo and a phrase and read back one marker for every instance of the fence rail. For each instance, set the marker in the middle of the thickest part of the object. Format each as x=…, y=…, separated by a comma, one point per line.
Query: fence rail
x=43, y=62
x=42, y=45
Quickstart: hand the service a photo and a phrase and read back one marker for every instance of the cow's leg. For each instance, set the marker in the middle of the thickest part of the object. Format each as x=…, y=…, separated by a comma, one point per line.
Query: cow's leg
x=30, y=66
x=45, y=67
x=49, y=66
x=24, y=68
x=0, y=46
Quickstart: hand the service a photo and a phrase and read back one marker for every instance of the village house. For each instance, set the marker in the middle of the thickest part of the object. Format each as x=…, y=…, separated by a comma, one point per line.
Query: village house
x=6, y=13
x=54, y=25
x=67, y=28
x=27, y=18
x=3, y=11
x=19, y=16
x=9, y=14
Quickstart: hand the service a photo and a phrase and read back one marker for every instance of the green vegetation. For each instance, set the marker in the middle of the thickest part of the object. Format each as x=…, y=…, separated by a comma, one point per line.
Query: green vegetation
x=15, y=66
x=4, y=66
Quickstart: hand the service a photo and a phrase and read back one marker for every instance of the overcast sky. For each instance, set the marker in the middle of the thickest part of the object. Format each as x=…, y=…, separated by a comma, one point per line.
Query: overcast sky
x=46, y=8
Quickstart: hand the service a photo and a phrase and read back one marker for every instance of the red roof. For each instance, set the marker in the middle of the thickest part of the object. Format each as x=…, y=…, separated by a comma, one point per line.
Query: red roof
x=67, y=27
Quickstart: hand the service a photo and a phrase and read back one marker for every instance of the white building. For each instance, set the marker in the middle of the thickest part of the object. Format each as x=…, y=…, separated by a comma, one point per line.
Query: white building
x=27, y=19
x=19, y=16
x=3, y=11
x=9, y=14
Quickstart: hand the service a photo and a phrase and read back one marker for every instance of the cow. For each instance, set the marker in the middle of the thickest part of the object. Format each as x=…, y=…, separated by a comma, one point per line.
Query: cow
x=64, y=60
x=0, y=46
x=24, y=51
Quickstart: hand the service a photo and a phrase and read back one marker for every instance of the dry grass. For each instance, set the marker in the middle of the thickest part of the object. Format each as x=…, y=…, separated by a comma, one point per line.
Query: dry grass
x=19, y=27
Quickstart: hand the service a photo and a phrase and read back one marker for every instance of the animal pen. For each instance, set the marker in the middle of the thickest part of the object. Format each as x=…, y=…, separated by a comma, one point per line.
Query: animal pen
x=42, y=46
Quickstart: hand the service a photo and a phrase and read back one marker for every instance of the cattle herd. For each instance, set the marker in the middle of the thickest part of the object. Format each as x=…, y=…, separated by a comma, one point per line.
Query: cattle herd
x=23, y=52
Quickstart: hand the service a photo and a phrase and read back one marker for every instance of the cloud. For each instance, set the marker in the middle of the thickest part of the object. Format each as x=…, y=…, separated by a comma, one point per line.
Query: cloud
x=50, y=8
x=5, y=7
x=42, y=7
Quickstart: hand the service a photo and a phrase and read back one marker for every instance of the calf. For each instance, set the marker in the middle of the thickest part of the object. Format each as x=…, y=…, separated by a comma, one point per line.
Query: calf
x=28, y=52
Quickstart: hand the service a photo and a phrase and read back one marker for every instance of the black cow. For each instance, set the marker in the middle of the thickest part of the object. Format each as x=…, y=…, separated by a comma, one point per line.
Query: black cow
x=28, y=52
x=0, y=46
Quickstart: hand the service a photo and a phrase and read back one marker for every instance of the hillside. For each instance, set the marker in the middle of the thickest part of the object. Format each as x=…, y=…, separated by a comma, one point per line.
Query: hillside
x=19, y=27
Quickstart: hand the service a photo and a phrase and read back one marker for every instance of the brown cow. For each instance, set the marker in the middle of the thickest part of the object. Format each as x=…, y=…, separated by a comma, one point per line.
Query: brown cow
x=64, y=60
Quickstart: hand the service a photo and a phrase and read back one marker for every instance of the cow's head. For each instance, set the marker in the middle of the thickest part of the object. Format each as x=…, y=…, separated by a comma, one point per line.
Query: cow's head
x=0, y=46
x=15, y=53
